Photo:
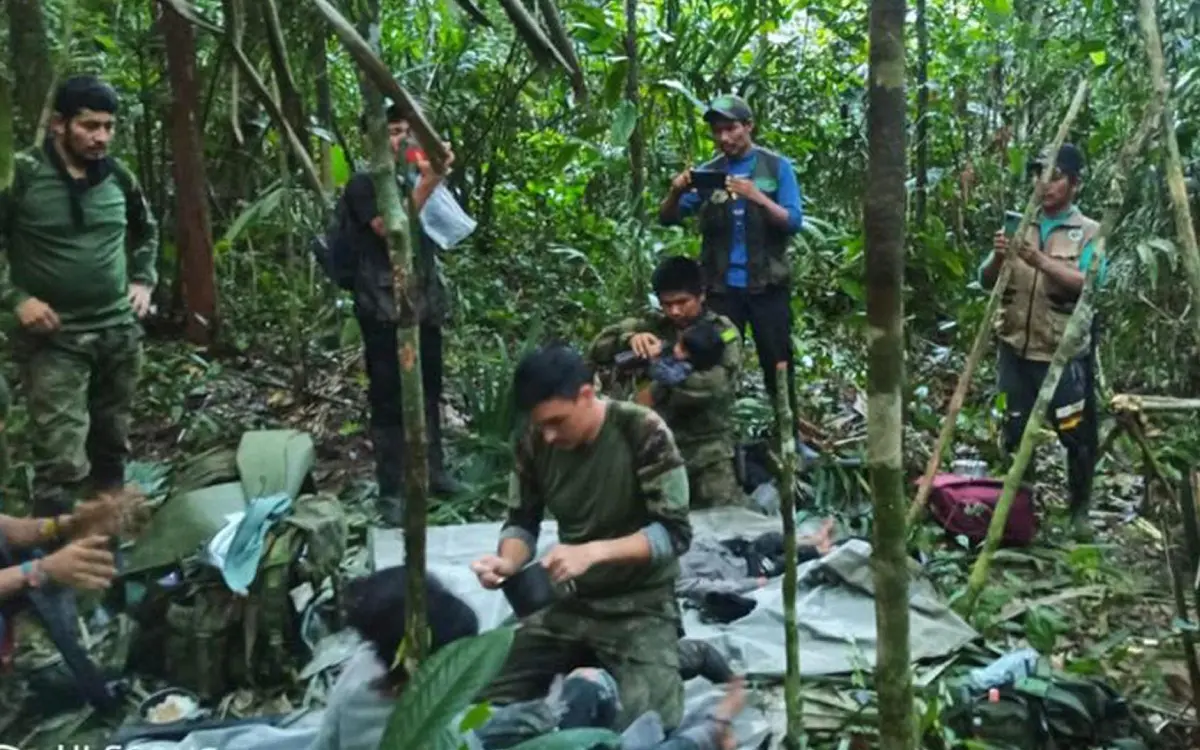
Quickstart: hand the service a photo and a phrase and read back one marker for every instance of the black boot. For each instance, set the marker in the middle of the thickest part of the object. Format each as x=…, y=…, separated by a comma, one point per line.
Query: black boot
x=440, y=481
x=389, y=473
x=701, y=659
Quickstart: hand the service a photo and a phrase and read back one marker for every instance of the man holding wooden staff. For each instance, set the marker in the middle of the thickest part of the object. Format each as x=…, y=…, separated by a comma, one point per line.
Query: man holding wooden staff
x=1048, y=269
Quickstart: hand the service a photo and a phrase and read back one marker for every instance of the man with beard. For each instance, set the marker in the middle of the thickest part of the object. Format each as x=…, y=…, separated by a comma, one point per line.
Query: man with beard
x=81, y=245
x=1047, y=278
x=746, y=227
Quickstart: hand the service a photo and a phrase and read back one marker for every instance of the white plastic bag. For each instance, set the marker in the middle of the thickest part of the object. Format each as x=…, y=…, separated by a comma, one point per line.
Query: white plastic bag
x=444, y=220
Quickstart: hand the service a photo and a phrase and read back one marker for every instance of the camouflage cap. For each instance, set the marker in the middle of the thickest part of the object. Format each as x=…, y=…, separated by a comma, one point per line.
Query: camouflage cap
x=728, y=107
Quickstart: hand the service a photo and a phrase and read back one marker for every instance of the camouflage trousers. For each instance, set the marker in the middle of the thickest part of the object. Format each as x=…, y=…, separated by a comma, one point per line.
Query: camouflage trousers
x=79, y=389
x=639, y=647
x=711, y=478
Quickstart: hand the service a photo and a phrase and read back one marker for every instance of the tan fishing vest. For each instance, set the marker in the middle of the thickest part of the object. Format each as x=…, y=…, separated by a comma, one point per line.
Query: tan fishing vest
x=1035, y=309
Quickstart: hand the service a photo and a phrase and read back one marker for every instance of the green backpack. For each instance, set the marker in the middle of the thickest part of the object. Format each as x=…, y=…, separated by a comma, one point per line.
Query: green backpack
x=1048, y=709
x=214, y=641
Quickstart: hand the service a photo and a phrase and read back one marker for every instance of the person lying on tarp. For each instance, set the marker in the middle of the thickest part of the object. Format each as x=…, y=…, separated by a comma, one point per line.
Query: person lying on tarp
x=715, y=574
x=365, y=694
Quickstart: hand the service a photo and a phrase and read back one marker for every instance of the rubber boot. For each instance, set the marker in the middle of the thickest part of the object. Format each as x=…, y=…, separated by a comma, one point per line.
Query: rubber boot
x=440, y=481
x=1080, y=471
x=389, y=473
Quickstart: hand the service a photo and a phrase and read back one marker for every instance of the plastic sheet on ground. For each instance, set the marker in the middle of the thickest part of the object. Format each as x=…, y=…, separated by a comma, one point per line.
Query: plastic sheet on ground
x=835, y=606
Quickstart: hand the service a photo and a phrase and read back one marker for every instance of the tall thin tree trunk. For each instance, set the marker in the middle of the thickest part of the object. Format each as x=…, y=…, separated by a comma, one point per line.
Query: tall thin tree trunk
x=193, y=227
x=637, y=141
x=324, y=102
x=7, y=142
x=401, y=235
x=922, y=114
x=883, y=215
x=1175, y=182
x=793, y=698
x=29, y=47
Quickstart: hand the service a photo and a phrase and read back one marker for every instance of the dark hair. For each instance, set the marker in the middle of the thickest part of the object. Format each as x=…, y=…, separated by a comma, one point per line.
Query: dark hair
x=394, y=114
x=678, y=274
x=78, y=93
x=704, y=345
x=550, y=371
x=375, y=607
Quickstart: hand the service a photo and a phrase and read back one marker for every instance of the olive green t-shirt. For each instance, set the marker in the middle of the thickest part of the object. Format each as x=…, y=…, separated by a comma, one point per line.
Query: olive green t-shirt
x=630, y=478
x=82, y=270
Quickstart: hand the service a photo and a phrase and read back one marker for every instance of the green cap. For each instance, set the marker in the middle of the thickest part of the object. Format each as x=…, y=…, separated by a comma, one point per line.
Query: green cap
x=728, y=108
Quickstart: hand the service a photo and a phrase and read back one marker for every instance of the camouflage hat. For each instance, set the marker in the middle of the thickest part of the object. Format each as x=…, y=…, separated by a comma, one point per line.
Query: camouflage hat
x=728, y=108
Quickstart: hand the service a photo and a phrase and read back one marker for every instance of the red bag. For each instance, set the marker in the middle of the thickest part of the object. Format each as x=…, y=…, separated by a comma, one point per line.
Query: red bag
x=964, y=505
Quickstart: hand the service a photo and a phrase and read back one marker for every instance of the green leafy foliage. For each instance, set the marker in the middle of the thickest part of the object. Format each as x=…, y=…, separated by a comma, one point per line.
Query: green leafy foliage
x=443, y=686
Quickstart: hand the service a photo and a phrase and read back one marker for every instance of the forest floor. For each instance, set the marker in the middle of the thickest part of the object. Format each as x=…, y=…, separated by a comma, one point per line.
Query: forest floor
x=1104, y=607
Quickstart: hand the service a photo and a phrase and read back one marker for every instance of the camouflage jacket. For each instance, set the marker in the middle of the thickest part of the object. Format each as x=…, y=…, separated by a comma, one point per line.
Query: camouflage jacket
x=700, y=409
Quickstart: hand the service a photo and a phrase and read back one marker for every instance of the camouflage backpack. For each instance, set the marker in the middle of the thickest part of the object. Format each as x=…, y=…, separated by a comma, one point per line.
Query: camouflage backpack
x=215, y=641
x=1046, y=709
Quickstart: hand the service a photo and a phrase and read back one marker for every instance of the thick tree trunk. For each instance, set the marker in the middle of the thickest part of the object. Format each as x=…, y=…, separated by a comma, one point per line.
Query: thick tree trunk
x=883, y=215
x=193, y=227
x=30, y=53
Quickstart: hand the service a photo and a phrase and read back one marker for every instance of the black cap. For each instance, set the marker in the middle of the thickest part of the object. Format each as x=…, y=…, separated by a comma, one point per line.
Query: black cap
x=728, y=108
x=1069, y=162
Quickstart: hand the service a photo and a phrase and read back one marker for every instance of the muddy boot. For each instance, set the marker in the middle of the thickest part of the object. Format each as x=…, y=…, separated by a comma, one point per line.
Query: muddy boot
x=389, y=473
x=440, y=481
x=1080, y=471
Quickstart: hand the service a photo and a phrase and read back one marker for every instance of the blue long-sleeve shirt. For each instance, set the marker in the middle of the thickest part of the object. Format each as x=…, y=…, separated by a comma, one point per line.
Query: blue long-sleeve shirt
x=787, y=195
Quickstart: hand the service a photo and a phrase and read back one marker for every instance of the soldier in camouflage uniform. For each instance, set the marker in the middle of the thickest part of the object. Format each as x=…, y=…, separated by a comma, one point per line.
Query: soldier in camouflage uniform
x=610, y=474
x=81, y=245
x=699, y=411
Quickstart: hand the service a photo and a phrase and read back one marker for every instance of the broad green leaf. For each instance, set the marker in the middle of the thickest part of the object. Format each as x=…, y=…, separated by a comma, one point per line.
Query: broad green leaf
x=624, y=121
x=573, y=739
x=1149, y=262
x=339, y=165
x=1099, y=57
x=444, y=685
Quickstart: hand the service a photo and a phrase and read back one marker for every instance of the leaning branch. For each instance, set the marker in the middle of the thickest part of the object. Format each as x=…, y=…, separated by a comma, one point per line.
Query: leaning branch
x=311, y=176
x=982, y=337
x=377, y=72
